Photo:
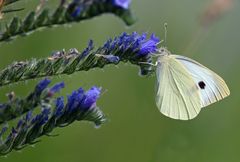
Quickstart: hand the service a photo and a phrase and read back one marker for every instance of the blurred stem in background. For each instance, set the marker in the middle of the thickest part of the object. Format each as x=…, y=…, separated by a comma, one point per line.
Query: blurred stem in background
x=65, y=13
x=214, y=11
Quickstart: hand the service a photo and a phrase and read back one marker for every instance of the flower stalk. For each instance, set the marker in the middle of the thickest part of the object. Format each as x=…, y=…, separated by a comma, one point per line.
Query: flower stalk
x=65, y=13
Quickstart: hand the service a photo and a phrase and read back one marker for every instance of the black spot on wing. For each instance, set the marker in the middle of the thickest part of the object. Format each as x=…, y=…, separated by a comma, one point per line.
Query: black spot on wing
x=201, y=84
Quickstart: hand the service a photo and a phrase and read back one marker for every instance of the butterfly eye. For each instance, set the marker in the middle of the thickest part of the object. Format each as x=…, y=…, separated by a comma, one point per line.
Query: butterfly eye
x=162, y=50
x=201, y=84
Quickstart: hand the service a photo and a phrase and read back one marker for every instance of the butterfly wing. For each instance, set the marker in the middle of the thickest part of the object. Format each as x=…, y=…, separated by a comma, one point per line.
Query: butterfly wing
x=177, y=95
x=214, y=88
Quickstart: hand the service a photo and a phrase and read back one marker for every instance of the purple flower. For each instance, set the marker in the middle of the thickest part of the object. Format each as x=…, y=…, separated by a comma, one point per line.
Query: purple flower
x=122, y=3
x=42, y=85
x=149, y=46
x=90, y=98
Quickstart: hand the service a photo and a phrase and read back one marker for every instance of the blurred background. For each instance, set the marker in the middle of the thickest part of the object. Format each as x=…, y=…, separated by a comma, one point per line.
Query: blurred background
x=207, y=31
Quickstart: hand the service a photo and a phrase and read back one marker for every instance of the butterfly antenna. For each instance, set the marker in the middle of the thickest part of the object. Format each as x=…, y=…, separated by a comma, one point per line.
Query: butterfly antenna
x=165, y=34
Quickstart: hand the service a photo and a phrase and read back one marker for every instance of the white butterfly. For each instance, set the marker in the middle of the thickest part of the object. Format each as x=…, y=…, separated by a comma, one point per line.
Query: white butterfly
x=184, y=86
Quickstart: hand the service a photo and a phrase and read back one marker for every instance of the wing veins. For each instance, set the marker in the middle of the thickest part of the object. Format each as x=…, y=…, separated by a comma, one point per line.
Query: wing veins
x=189, y=93
x=184, y=101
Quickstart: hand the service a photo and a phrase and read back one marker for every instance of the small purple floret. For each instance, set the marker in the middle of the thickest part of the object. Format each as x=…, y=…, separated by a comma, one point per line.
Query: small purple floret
x=87, y=50
x=149, y=46
x=112, y=58
x=90, y=98
x=122, y=3
x=44, y=116
x=59, y=106
x=28, y=116
x=74, y=99
x=57, y=87
x=77, y=12
x=42, y=85
x=19, y=124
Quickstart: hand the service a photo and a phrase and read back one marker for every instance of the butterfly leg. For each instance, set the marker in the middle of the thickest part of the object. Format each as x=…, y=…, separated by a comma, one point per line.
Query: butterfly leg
x=147, y=63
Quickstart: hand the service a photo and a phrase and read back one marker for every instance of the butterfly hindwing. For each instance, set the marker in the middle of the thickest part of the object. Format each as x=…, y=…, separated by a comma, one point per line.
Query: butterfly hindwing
x=177, y=96
x=213, y=87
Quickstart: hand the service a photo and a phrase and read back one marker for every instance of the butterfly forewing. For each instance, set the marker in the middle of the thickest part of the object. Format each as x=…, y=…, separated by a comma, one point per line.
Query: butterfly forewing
x=214, y=88
x=177, y=96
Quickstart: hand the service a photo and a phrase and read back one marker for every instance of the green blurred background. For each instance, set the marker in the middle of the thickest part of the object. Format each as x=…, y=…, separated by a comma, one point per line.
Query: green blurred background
x=136, y=131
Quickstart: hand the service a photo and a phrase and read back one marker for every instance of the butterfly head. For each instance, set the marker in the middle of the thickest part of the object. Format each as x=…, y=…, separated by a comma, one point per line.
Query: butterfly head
x=162, y=51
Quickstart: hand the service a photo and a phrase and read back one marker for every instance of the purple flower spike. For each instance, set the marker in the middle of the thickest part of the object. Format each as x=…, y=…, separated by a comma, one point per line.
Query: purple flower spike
x=150, y=46
x=122, y=3
x=90, y=97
